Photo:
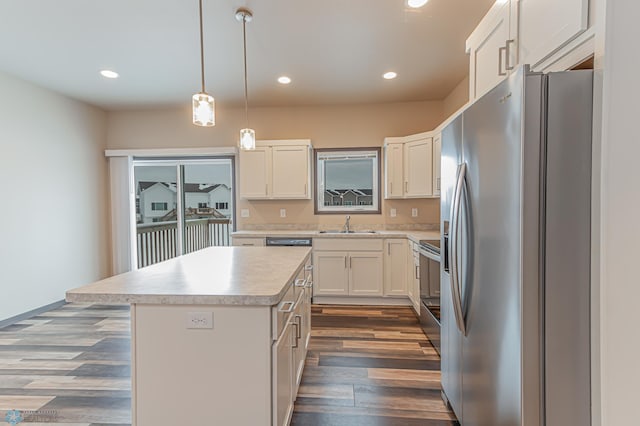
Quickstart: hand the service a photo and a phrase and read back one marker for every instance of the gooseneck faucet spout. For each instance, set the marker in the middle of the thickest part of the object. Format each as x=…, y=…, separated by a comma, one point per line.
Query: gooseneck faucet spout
x=347, y=227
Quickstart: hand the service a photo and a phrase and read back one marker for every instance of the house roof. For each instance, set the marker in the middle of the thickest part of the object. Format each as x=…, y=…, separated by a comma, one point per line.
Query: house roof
x=188, y=187
x=359, y=192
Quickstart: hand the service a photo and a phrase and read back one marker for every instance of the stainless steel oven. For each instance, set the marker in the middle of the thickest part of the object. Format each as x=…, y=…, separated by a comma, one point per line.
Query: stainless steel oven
x=430, y=290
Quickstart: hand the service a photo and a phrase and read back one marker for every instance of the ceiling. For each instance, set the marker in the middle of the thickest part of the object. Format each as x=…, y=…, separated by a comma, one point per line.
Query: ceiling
x=335, y=51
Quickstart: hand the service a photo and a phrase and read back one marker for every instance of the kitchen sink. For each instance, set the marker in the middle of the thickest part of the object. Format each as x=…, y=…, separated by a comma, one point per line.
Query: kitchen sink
x=336, y=231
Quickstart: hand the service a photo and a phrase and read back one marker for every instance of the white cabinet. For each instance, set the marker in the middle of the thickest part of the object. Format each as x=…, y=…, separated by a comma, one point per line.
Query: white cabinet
x=437, y=150
x=413, y=276
x=365, y=274
x=395, y=267
x=276, y=170
x=492, y=49
x=247, y=241
x=394, y=161
x=347, y=267
x=534, y=32
x=544, y=26
x=331, y=276
x=283, y=379
x=409, y=171
x=418, y=160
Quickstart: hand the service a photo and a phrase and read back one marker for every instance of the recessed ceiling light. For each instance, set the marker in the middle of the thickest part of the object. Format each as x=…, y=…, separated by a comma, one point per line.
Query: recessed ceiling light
x=389, y=75
x=284, y=79
x=416, y=3
x=109, y=74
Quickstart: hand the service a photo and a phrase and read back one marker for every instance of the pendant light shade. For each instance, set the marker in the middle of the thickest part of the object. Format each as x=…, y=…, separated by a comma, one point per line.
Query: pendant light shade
x=203, y=104
x=204, y=110
x=247, y=136
x=247, y=139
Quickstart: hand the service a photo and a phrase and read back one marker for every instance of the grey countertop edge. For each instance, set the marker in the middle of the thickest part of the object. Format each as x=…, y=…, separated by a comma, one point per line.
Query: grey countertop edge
x=414, y=236
x=175, y=299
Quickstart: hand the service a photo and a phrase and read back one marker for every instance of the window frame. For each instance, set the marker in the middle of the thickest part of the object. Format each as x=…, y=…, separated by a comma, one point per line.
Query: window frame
x=356, y=209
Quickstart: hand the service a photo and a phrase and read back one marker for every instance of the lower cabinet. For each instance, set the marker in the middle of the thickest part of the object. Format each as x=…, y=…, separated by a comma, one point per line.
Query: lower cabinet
x=289, y=351
x=282, y=373
x=395, y=267
x=413, y=276
x=348, y=273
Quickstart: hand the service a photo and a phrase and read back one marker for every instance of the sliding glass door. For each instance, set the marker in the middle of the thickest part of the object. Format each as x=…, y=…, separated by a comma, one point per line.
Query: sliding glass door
x=181, y=206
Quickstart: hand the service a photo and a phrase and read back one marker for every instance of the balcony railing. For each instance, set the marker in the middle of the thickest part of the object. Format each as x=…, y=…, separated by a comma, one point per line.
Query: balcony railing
x=159, y=241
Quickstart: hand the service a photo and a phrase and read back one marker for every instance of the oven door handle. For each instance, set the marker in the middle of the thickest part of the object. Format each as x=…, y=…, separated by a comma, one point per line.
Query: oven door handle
x=427, y=253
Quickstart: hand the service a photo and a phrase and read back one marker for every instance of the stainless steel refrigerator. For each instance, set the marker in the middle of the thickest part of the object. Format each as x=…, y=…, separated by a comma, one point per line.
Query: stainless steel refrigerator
x=515, y=276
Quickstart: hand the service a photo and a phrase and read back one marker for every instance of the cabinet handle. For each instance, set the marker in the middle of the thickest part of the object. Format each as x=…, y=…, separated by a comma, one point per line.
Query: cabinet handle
x=438, y=184
x=417, y=273
x=349, y=262
x=308, y=268
x=507, y=55
x=299, y=324
x=345, y=262
x=501, y=52
x=296, y=335
x=300, y=283
x=391, y=188
x=287, y=310
x=389, y=249
x=266, y=188
x=406, y=186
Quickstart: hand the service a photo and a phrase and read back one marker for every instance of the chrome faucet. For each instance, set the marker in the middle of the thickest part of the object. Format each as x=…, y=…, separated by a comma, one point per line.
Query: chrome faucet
x=346, y=225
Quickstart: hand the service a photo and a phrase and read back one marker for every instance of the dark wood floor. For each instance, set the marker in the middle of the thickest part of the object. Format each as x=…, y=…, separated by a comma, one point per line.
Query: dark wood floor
x=369, y=366
x=366, y=366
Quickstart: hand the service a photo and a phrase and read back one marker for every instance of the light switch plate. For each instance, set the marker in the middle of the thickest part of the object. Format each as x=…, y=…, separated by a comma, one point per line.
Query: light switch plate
x=393, y=213
x=414, y=212
x=199, y=319
x=244, y=213
x=283, y=212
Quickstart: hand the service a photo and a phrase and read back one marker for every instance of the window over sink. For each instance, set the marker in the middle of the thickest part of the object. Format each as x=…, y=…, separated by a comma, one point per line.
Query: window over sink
x=347, y=180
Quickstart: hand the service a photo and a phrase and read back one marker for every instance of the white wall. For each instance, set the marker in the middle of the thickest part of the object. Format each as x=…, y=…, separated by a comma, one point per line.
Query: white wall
x=53, y=210
x=620, y=217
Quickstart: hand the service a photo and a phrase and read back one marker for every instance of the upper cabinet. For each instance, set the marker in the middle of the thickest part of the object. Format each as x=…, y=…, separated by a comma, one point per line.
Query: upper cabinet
x=276, y=170
x=545, y=26
x=533, y=32
x=409, y=167
x=491, y=48
x=437, y=149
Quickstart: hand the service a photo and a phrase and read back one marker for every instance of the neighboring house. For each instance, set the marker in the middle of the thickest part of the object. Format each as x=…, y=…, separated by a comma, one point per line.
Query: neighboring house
x=348, y=197
x=157, y=200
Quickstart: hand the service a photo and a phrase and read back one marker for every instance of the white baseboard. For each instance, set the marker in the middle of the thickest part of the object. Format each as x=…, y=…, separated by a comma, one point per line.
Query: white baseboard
x=31, y=313
x=342, y=300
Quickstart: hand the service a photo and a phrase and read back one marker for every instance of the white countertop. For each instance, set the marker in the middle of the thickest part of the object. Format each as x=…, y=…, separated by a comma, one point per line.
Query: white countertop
x=212, y=276
x=415, y=236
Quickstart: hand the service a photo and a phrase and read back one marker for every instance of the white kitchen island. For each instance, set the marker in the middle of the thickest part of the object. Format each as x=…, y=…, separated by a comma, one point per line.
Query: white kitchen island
x=218, y=337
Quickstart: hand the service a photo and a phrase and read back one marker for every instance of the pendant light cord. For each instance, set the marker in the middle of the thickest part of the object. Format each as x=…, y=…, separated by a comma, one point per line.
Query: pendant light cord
x=246, y=97
x=201, y=49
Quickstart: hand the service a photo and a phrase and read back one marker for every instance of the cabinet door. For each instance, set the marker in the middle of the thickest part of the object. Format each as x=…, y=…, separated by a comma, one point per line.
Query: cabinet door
x=544, y=26
x=330, y=273
x=365, y=274
x=299, y=350
x=411, y=271
x=437, y=148
x=290, y=172
x=255, y=173
x=418, y=163
x=395, y=267
x=487, y=60
x=282, y=364
x=394, y=171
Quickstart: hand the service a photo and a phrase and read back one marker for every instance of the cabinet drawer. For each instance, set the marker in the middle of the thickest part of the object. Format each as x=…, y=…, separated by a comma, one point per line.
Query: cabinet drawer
x=281, y=312
x=348, y=244
x=243, y=241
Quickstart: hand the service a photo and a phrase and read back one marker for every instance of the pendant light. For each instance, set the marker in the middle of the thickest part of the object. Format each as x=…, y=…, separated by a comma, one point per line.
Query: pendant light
x=204, y=113
x=247, y=135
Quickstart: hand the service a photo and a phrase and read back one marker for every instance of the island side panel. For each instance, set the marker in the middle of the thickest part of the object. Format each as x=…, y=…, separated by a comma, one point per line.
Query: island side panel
x=201, y=376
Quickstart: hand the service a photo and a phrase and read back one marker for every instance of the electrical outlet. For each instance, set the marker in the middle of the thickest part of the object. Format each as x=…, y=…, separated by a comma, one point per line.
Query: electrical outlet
x=283, y=212
x=393, y=213
x=414, y=212
x=199, y=319
x=244, y=213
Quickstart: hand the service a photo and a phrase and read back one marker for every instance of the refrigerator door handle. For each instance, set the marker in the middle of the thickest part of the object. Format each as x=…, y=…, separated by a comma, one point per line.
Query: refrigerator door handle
x=454, y=249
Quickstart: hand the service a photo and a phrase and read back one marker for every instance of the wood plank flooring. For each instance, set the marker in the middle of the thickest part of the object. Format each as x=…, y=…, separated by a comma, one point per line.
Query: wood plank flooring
x=369, y=366
x=366, y=366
